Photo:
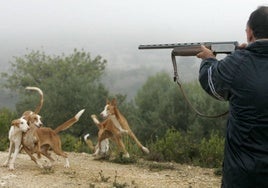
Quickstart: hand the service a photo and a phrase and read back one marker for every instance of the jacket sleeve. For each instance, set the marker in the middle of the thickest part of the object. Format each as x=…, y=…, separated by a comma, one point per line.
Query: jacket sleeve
x=216, y=76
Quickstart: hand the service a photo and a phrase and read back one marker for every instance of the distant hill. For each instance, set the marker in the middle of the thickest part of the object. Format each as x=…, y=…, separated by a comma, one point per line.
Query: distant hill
x=129, y=81
x=127, y=75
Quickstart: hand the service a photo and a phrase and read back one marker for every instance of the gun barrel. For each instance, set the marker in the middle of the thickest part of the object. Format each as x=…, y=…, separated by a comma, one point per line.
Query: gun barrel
x=163, y=46
x=191, y=49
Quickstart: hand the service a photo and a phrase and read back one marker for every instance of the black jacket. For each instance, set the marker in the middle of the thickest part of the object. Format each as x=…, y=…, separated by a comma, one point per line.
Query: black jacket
x=242, y=79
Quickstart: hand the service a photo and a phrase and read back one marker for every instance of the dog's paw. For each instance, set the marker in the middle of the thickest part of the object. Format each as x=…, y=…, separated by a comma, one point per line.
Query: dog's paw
x=5, y=164
x=145, y=150
x=39, y=164
x=123, y=131
x=93, y=116
x=11, y=167
x=126, y=155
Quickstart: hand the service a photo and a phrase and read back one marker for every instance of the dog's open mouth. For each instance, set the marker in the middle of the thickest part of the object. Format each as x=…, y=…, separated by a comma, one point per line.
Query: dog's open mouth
x=104, y=117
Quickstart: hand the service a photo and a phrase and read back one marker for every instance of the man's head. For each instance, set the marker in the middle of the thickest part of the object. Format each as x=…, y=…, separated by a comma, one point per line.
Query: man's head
x=257, y=25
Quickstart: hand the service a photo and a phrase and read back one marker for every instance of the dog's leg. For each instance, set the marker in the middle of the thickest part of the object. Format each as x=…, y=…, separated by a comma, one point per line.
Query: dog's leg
x=143, y=148
x=95, y=120
x=16, y=151
x=105, y=146
x=98, y=149
x=120, y=143
x=57, y=149
x=117, y=124
x=44, y=151
x=32, y=157
x=64, y=155
x=10, y=150
x=67, y=163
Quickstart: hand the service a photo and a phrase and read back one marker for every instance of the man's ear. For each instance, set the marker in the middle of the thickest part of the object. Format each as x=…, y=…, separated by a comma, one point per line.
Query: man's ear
x=250, y=35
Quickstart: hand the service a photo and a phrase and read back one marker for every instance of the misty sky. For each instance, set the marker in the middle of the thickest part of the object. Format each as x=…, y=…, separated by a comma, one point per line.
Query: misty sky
x=115, y=28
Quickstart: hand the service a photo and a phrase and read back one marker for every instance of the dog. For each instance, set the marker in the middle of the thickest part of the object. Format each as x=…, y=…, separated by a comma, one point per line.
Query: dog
x=103, y=150
x=40, y=139
x=114, y=125
x=16, y=130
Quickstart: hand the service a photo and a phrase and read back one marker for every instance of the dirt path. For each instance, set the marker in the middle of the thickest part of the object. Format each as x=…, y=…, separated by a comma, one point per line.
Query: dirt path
x=85, y=172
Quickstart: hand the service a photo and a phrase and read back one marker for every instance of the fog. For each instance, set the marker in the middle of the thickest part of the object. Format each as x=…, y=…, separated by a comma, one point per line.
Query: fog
x=114, y=29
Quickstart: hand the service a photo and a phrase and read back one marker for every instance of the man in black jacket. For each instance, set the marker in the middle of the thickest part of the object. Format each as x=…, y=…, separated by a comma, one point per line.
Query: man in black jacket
x=242, y=79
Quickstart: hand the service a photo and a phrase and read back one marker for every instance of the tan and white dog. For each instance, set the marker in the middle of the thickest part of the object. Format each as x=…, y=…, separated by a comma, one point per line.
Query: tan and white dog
x=113, y=126
x=40, y=140
x=18, y=126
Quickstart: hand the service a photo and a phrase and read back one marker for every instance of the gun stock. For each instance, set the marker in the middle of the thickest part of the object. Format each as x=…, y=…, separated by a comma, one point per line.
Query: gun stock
x=192, y=49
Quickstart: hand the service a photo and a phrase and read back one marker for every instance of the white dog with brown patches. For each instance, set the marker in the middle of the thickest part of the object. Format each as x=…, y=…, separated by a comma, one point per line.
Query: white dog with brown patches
x=112, y=127
x=18, y=126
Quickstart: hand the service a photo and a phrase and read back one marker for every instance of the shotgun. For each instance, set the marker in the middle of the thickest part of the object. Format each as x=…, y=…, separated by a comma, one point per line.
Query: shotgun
x=192, y=49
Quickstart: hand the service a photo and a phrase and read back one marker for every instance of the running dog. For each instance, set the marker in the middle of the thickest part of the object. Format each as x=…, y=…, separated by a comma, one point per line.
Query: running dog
x=16, y=130
x=40, y=140
x=113, y=126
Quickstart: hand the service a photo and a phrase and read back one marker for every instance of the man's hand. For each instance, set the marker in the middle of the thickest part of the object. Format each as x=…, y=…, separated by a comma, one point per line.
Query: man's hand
x=205, y=53
x=242, y=46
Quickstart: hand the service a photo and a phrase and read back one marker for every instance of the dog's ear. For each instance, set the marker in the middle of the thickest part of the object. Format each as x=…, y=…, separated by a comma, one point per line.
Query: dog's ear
x=15, y=122
x=26, y=118
x=107, y=101
x=114, y=102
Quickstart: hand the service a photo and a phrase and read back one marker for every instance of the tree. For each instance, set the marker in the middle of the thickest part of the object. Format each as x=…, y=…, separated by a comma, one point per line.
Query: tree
x=70, y=83
x=160, y=106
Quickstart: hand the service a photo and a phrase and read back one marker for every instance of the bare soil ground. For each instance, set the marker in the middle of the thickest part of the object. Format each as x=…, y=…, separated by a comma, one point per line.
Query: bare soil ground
x=89, y=173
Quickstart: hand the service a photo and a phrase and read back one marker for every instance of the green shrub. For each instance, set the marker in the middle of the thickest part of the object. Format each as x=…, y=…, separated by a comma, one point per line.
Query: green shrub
x=174, y=146
x=72, y=143
x=211, y=151
x=6, y=116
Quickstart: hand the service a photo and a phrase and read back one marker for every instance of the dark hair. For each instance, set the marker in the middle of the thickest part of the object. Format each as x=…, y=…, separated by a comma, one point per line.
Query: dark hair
x=258, y=22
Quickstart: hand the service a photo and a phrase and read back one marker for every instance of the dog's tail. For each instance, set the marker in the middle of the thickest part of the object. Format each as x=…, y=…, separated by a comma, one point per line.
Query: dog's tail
x=70, y=122
x=38, y=108
x=89, y=143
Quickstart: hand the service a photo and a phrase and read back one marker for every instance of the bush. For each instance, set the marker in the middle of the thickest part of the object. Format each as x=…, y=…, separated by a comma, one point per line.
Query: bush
x=183, y=148
x=72, y=143
x=211, y=151
x=174, y=146
x=6, y=116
